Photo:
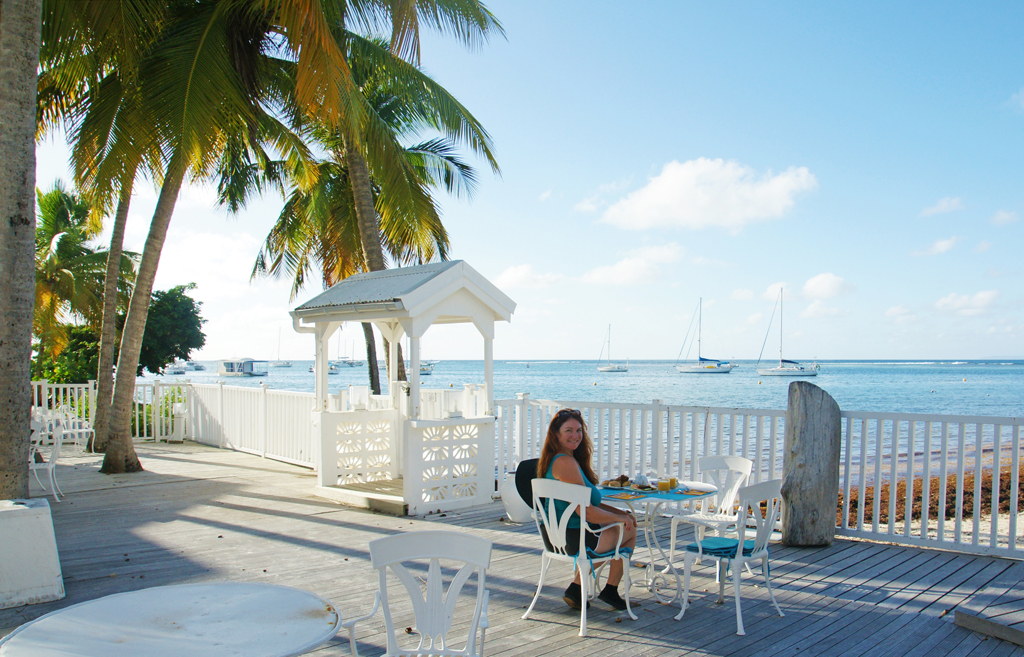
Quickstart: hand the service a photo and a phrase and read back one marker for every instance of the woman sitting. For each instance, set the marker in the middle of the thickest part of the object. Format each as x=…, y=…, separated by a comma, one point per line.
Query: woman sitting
x=567, y=437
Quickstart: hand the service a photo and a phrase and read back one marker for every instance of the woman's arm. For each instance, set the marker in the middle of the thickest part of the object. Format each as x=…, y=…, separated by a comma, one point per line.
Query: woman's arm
x=567, y=470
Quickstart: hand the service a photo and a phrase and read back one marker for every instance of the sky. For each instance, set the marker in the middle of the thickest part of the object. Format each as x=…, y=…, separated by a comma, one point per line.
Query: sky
x=866, y=158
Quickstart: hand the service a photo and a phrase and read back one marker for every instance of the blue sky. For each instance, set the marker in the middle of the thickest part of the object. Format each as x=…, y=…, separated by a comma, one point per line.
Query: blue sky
x=867, y=158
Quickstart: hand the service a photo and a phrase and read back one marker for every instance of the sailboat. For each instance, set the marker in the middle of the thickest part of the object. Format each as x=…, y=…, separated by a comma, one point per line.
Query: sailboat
x=279, y=362
x=786, y=367
x=704, y=365
x=608, y=366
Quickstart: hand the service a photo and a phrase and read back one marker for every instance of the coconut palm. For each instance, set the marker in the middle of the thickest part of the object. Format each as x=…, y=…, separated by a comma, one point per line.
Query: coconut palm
x=69, y=272
x=319, y=226
x=19, y=43
x=204, y=84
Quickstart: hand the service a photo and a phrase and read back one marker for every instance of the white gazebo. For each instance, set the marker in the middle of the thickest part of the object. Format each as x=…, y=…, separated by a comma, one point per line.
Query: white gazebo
x=432, y=450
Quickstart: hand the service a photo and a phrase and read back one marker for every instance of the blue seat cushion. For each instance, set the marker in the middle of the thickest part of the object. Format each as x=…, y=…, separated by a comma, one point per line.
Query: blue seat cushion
x=625, y=551
x=718, y=546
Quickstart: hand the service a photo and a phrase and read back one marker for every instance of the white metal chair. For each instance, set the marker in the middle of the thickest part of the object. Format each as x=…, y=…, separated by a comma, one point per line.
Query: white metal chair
x=552, y=526
x=717, y=512
x=435, y=596
x=49, y=451
x=737, y=552
x=76, y=427
x=517, y=492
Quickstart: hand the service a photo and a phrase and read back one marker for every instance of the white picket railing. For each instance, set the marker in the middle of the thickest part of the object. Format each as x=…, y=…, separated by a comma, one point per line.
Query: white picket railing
x=889, y=461
x=907, y=455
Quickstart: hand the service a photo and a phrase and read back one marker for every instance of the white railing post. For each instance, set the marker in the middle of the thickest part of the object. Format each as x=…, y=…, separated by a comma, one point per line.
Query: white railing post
x=658, y=442
x=262, y=427
x=220, y=414
x=521, y=424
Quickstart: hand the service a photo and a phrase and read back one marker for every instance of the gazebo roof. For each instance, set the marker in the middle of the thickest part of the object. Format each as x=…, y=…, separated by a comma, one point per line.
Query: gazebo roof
x=447, y=291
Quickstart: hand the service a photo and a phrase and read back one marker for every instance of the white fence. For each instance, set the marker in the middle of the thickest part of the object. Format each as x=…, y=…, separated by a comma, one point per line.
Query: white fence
x=946, y=472
x=897, y=471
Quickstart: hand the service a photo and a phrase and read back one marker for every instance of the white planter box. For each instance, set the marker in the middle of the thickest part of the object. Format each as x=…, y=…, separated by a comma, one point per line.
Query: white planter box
x=29, y=567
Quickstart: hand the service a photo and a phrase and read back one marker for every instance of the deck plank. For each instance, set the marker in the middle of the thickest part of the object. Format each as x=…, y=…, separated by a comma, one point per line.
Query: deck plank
x=201, y=514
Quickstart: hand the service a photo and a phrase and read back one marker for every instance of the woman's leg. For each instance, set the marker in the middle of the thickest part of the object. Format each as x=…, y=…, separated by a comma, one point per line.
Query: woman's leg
x=606, y=543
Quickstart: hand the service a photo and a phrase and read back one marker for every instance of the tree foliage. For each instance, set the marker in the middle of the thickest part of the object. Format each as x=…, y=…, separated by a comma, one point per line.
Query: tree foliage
x=174, y=329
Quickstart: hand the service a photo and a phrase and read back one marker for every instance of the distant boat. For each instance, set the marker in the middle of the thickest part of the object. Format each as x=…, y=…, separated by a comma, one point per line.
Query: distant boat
x=177, y=368
x=426, y=368
x=193, y=366
x=704, y=365
x=608, y=365
x=242, y=367
x=279, y=362
x=786, y=367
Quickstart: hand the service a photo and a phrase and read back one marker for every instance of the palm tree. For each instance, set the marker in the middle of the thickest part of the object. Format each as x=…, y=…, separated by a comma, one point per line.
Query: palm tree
x=204, y=84
x=319, y=227
x=19, y=42
x=69, y=272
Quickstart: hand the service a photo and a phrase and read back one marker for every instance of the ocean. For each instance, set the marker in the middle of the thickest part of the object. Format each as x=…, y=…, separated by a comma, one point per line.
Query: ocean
x=973, y=388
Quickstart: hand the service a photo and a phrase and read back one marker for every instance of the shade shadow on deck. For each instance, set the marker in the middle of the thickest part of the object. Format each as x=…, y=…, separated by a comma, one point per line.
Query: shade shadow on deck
x=201, y=514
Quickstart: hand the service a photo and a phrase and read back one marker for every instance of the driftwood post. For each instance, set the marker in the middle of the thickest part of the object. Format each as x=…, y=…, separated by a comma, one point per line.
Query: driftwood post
x=811, y=466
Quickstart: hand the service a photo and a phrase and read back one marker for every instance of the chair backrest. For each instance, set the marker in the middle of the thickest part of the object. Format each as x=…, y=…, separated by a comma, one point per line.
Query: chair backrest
x=760, y=506
x=728, y=474
x=554, y=504
x=526, y=472
x=48, y=449
x=435, y=595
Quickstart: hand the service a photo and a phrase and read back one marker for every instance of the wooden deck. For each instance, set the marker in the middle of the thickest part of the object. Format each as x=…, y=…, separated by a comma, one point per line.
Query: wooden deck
x=202, y=514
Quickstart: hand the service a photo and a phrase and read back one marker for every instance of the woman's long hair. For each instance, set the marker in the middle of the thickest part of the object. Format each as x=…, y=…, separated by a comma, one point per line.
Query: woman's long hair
x=583, y=453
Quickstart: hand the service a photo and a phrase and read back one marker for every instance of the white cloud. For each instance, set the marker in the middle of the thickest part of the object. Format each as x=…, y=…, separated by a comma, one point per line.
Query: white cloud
x=938, y=247
x=825, y=286
x=709, y=192
x=1004, y=217
x=817, y=308
x=742, y=295
x=943, y=206
x=771, y=293
x=968, y=305
x=983, y=246
x=638, y=266
x=599, y=198
x=755, y=320
x=900, y=314
x=524, y=276
x=545, y=195
x=1017, y=100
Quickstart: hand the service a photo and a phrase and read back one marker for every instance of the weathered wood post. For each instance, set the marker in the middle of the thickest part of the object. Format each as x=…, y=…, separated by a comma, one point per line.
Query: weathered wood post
x=811, y=467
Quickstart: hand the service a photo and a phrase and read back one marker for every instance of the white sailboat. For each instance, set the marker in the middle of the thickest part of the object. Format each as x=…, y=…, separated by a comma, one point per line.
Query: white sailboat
x=704, y=365
x=608, y=365
x=786, y=367
x=279, y=362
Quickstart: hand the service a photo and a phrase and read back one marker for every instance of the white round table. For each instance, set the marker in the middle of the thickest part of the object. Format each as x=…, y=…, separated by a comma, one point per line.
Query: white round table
x=218, y=619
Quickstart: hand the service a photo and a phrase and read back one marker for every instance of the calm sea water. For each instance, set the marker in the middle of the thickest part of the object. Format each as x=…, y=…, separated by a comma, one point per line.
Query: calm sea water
x=993, y=388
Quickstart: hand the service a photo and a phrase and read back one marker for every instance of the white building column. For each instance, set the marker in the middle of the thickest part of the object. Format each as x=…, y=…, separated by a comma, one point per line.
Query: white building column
x=414, y=377
x=489, y=373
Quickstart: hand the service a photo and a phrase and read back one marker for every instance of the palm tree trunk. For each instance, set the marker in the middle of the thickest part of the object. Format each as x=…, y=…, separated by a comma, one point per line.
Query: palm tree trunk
x=108, y=332
x=369, y=230
x=120, y=455
x=19, y=42
x=371, y=358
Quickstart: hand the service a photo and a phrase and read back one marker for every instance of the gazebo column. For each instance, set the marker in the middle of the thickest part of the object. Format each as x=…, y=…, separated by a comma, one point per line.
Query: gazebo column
x=414, y=377
x=489, y=373
x=320, y=365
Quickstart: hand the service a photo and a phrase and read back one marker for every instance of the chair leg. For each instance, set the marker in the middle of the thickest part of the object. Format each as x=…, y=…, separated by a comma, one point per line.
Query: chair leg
x=768, y=583
x=736, y=574
x=628, y=583
x=544, y=563
x=585, y=576
x=687, y=565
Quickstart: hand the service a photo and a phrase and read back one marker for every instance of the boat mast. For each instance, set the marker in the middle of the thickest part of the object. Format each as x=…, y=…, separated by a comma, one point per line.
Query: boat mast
x=700, y=321
x=780, y=327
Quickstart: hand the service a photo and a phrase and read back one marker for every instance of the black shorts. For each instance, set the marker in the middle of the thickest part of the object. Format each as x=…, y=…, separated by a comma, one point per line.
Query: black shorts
x=572, y=538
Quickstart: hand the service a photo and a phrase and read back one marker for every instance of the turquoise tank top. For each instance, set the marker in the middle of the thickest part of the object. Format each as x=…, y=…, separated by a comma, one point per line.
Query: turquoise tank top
x=595, y=492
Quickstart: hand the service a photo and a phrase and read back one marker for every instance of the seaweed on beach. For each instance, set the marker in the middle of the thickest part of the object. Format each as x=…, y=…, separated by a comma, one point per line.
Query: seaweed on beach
x=885, y=489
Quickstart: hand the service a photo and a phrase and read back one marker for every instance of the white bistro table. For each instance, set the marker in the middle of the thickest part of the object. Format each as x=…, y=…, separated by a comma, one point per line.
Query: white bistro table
x=657, y=582
x=219, y=619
